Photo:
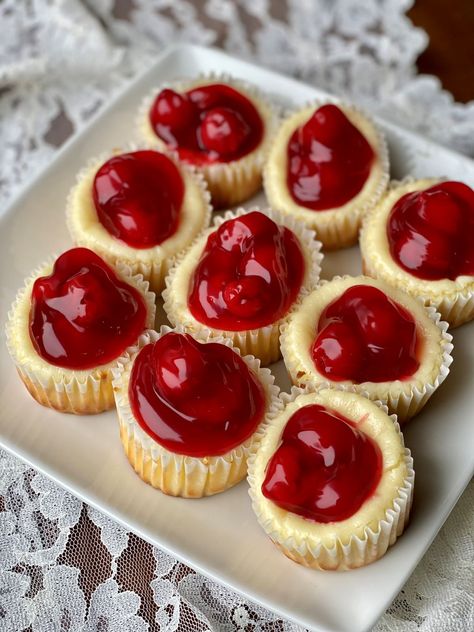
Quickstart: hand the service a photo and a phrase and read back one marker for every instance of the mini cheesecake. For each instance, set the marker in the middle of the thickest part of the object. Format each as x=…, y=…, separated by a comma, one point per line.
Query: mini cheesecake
x=69, y=325
x=140, y=208
x=420, y=238
x=190, y=410
x=366, y=335
x=220, y=126
x=327, y=166
x=241, y=279
x=331, y=481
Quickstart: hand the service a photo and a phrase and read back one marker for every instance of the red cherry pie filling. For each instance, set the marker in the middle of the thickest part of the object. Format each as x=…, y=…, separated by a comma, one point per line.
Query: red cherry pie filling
x=431, y=232
x=325, y=468
x=196, y=399
x=248, y=276
x=207, y=124
x=329, y=160
x=365, y=336
x=82, y=315
x=138, y=197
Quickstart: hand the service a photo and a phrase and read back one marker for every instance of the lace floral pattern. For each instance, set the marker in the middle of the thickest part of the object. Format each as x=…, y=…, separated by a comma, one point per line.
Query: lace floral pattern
x=63, y=565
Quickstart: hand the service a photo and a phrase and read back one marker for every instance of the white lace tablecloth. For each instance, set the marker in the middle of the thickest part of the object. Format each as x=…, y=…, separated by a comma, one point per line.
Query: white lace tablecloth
x=63, y=565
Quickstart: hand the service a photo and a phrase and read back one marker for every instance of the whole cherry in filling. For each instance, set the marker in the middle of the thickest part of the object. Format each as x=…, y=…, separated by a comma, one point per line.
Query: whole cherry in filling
x=325, y=467
x=82, y=315
x=431, y=232
x=212, y=123
x=198, y=399
x=138, y=197
x=248, y=276
x=365, y=336
x=329, y=160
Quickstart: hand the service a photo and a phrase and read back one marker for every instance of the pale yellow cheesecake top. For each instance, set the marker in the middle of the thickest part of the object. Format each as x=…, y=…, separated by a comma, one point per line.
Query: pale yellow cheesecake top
x=275, y=174
x=266, y=112
x=368, y=418
x=21, y=346
x=300, y=333
x=376, y=254
x=179, y=280
x=87, y=230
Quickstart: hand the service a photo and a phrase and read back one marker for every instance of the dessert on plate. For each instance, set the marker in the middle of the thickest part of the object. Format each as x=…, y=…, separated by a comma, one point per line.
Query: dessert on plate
x=369, y=336
x=139, y=207
x=242, y=277
x=327, y=166
x=420, y=237
x=331, y=481
x=219, y=125
x=190, y=409
x=69, y=324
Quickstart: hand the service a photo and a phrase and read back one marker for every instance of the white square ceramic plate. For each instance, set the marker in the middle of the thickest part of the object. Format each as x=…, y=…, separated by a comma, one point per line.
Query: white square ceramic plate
x=219, y=536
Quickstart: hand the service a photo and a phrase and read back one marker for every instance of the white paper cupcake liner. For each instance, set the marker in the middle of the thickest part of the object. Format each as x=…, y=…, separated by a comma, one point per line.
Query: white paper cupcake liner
x=152, y=263
x=349, y=552
x=177, y=474
x=230, y=183
x=262, y=342
x=403, y=398
x=455, y=302
x=336, y=228
x=457, y=310
x=66, y=390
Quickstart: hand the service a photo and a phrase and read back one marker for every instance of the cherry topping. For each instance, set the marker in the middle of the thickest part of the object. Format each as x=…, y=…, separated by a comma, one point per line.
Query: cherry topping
x=245, y=297
x=249, y=274
x=213, y=123
x=174, y=110
x=431, y=232
x=364, y=336
x=326, y=126
x=82, y=315
x=337, y=352
x=325, y=468
x=138, y=197
x=198, y=399
x=223, y=131
x=329, y=160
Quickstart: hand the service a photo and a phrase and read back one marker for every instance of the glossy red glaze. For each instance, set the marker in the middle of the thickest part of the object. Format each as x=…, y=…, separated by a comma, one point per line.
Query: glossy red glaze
x=198, y=399
x=248, y=276
x=138, y=197
x=82, y=315
x=213, y=123
x=325, y=468
x=329, y=160
x=365, y=336
x=431, y=232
